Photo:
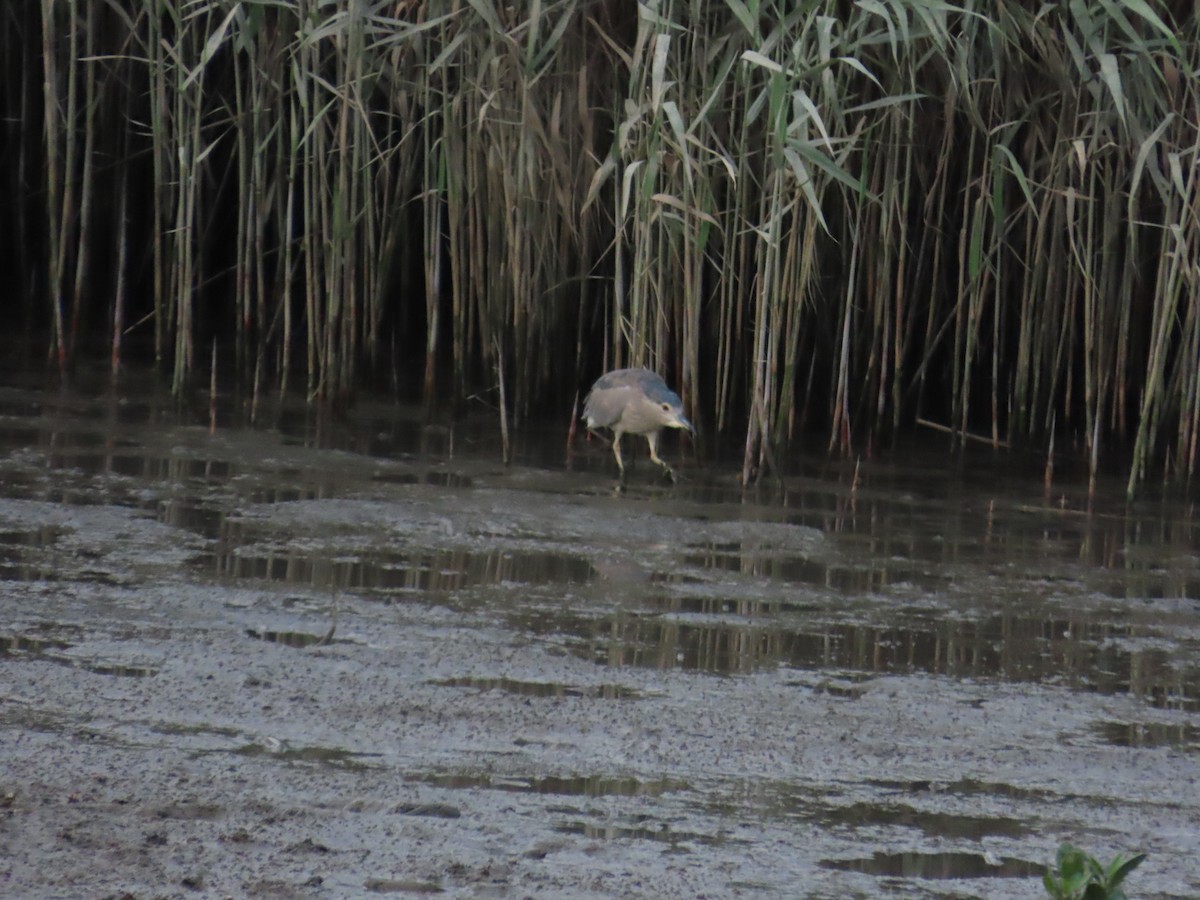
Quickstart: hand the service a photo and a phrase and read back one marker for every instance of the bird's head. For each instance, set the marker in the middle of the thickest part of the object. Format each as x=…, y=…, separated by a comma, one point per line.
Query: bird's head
x=668, y=410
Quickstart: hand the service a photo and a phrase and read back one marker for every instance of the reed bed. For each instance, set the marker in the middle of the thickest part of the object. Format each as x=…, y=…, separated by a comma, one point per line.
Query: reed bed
x=824, y=217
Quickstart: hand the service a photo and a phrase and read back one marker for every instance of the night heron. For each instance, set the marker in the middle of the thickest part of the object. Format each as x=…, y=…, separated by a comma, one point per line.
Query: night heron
x=634, y=401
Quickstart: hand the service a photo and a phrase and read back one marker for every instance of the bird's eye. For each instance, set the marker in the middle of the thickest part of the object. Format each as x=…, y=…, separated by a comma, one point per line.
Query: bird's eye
x=666, y=407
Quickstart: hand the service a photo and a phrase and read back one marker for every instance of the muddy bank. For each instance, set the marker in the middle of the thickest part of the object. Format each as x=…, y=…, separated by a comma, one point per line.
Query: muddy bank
x=261, y=662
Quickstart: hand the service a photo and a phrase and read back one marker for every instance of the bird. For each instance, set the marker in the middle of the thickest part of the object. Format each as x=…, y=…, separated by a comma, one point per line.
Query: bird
x=634, y=401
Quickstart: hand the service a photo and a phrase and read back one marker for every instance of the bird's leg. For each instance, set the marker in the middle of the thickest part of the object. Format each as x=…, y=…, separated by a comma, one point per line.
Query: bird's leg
x=616, y=445
x=598, y=435
x=652, y=439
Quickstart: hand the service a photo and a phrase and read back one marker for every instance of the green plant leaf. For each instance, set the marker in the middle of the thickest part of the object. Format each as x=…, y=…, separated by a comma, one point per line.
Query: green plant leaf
x=742, y=14
x=1120, y=868
x=1070, y=862
x=211, y=46
x=1018, y=173
x=488, y=14
x=1074, y=884
x=829, y=167
x=1110, y=74
x=1143, y=9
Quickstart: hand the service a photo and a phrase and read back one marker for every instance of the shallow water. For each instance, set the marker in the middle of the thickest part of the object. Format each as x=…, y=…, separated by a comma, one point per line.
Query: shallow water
x=329, y=658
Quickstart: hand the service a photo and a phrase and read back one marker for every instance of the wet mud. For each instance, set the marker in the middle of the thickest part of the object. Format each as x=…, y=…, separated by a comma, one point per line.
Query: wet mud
x=314, y=659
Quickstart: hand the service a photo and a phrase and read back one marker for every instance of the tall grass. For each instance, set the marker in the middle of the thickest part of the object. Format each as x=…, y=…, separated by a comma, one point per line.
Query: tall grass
x=830, y=217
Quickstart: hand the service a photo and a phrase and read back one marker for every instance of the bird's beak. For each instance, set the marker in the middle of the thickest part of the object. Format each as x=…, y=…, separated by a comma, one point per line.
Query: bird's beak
x=684, y=423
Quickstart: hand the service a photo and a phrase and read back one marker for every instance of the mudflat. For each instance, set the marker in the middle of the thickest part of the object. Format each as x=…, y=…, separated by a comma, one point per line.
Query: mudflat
x=301, y=662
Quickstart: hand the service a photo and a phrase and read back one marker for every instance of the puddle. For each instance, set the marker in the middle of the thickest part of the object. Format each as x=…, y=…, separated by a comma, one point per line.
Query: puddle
x=432, y=571
x=429, y=810
x=202, y=520
x=1149, y=735
x=54, y=650
x=331, y=757
x=20, y=556
x=33, y=537
x=34, y=646
x=938, y=865
x=119, y=670
x=193, y=730
x=146, y=465
x=932, y=813
x=1040, y=649
x=194, y=811
x=845, y=579
x=541, y=688
x=290, y=638
x=437, y=478
x=930, y=823
x=401, y=886
x=661, y=833
x=447, y=479
x=969, y=787
x=572, y=785
x=273, y=494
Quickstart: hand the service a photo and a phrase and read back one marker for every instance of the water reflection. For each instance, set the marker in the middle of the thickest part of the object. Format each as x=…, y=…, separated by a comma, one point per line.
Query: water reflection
x=541, y=688
x=660, y=832
x=331, y=757
x=23, y=644
x=1150, y=734
x=20, y=556
x=938, y=865
x=829, y=809
x=299, y=639
x=191, y=516
x=1080, y=653
x=47, y=649
x=856, y=575
x=986, y=510
x=572, y=785
x=400, y=572
x=912, y=568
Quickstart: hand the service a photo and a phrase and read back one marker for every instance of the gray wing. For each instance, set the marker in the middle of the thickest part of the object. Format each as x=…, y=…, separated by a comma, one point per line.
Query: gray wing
x=656, y=389
x=606, y=403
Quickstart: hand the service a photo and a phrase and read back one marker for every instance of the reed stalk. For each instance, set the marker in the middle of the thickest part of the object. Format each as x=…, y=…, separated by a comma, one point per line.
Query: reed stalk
x=814, y=217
